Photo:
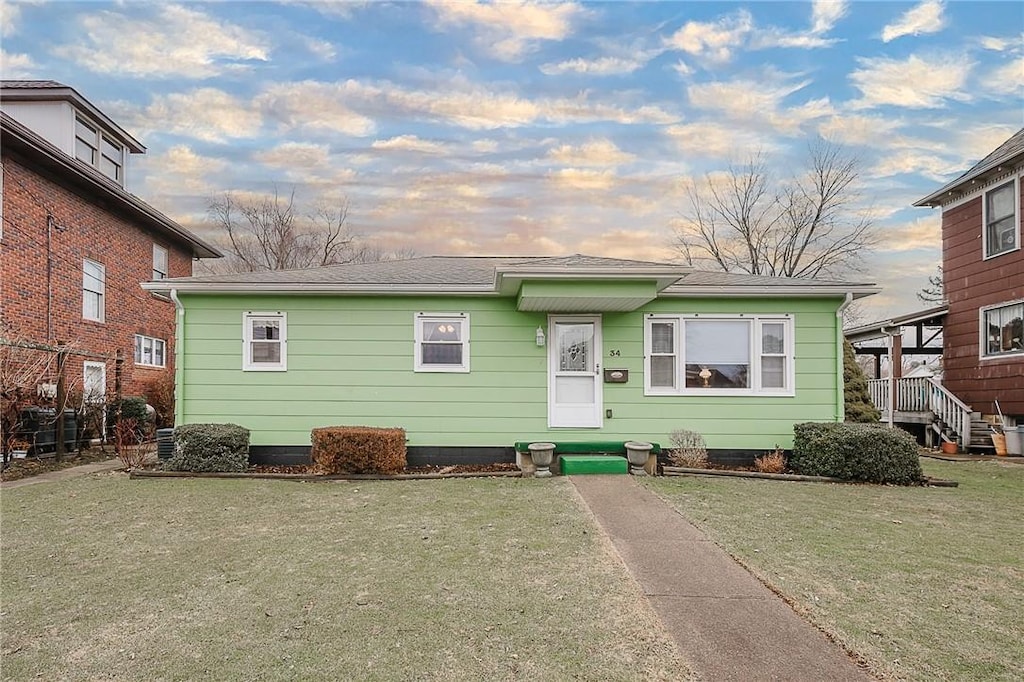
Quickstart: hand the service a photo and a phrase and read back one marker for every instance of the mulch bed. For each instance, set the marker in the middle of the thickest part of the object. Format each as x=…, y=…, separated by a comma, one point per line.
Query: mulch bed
x=33, y=466
x=454, y=469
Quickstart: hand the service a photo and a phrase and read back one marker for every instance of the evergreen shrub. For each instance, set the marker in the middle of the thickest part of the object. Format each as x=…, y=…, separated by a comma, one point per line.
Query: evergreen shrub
x=209, y=447
x=358, y=450
x=855, y=452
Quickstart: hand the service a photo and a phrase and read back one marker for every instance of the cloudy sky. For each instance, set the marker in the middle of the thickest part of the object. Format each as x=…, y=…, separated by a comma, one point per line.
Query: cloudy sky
x=456, y=127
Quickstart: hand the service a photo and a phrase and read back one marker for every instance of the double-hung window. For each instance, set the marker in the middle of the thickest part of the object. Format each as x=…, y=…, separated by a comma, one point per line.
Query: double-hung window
x=159, y=262
x=150, y=352
x=93, y=290
x=442, y=342
x=98, y=150
x=265, y=342
x=1002, y=330
x=719, y=354
x=1001, y=219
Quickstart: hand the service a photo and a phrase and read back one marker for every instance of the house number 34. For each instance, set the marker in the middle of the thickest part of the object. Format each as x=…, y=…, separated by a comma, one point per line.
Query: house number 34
x=614, y=353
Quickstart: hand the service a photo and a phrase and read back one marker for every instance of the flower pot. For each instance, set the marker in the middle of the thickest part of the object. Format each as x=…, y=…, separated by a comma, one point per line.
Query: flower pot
x=542, y=454
x=949, y=447
x=637, y=454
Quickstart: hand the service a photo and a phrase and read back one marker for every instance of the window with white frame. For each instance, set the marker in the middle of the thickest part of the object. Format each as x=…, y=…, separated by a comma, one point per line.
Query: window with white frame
x=265, y=342
x=442, y=342
x=94, y=382
x=727, y=354
x=150, y=351
x=93, y=290
x=98, y=150
x=159, y=262
x=1001, y=219
x=1002, y=330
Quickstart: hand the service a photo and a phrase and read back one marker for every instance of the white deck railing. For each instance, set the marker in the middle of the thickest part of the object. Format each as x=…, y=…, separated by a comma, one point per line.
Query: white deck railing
x=924, y=394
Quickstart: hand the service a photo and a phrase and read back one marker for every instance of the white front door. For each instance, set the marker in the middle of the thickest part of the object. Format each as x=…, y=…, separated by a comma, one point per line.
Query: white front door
x=574, y=371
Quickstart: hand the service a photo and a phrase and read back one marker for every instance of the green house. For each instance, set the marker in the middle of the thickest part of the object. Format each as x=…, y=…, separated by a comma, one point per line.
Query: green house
x=471, y=354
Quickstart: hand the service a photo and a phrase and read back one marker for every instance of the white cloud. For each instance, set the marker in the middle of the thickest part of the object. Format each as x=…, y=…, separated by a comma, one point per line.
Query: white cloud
x=825, y=14
x=682, y=68
x=176, y=42
x=1007, y=79
x=602, y=66
x=599, y=152
x=759, y=101
x=714, y=41
x=995, y=44
x=409, y=143
x=913, y=161
x=858, y=130
x=15, y=65
x=917, y=82
x=715, y=140
x=923, y=233
x=312, y=104
x=180, y=170
x=204, y=114
x=507, y=30
x=924, y=18
x=10, y=14
x=299, y=155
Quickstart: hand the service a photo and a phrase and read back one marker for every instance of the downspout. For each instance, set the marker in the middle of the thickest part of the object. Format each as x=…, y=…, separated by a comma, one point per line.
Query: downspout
x=179, y=359
x=840, y=383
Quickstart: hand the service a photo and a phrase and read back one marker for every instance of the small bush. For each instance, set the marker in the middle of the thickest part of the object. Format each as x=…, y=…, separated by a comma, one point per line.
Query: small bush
x=209, y=447
x=773, y=462
x=688, y=449
x=133, y=408
x=855, y=452
x=358, y=450
x=131, y=449
x=160, y=394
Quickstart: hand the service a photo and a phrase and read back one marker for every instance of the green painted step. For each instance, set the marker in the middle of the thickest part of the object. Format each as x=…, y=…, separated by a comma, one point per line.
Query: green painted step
x=617, y=447
x=593, y=464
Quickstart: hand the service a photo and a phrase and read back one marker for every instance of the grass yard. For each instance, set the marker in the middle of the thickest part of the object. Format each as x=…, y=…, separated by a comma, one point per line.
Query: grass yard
x=107, y=578
x=923, y=583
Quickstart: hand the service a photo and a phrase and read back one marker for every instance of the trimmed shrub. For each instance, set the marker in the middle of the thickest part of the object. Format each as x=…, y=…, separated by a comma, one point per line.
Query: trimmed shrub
x=358, y=450
x=855, y=452
x=132, y=407
x=209, y=447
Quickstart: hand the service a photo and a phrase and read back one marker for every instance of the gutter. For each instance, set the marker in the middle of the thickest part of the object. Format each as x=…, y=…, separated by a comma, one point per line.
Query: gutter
x=179, y=358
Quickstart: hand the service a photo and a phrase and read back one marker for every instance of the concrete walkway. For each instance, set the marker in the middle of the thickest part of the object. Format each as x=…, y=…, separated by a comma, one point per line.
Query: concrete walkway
x=63, y=474
x=724, y=621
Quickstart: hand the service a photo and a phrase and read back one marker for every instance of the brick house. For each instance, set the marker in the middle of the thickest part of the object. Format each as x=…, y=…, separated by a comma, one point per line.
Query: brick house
x=983, y=278
x=75, y=245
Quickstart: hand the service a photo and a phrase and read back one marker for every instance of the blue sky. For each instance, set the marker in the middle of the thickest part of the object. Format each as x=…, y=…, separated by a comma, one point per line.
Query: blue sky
x=523, y=128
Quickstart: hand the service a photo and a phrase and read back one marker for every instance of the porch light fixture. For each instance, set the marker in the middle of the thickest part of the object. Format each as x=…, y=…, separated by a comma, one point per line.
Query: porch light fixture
x=540, y=336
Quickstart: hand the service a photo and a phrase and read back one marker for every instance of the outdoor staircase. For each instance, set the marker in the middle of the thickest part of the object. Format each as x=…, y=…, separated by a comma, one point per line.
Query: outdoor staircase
x=925, y=400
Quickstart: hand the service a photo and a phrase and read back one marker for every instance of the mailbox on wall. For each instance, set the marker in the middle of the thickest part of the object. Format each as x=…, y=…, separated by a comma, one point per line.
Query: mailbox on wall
x=616, y=376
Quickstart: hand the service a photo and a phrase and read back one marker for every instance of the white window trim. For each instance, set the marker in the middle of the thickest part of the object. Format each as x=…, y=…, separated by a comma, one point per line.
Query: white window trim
x=755, y=356
x=89, y=398
x=247, y=364
x=167, y=261
x=462, y=319
x=96, y=144
x=983, y=333
x=102, y=292
x=153, y=340
x=649, y=353
x=1015, y=181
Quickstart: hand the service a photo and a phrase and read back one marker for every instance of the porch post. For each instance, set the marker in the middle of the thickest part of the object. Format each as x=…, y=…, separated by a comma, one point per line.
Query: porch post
x=891, y=381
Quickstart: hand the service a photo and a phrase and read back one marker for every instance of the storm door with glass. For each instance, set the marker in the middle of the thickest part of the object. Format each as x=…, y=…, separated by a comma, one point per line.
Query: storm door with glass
x=574, y=367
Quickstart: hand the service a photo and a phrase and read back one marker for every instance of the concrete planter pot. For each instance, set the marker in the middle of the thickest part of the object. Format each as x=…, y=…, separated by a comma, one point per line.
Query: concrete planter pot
x=542, y=455
x=637, y=454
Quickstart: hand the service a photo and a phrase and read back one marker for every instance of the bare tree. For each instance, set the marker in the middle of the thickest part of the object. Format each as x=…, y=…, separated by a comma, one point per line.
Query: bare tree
x=934, y=291
x=747, y=220
x=269, y=233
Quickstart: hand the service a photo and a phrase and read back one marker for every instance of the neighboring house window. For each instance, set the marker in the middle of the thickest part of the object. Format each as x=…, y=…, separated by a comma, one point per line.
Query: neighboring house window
x=159, y=262
x=265, y=342
x=1002, y=330
x=93, y=288
x=1000, y=211
x=150, y=351
x=98, y=150
x=727, y=354
x=442, y=342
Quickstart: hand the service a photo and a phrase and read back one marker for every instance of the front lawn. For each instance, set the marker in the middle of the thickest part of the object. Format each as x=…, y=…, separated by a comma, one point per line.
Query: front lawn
x=103, y=577
x=923, y=583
